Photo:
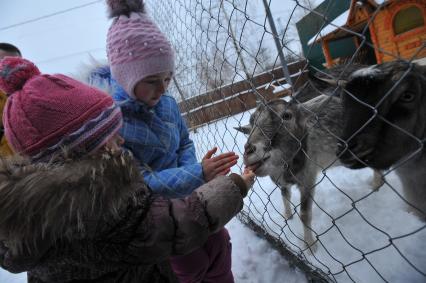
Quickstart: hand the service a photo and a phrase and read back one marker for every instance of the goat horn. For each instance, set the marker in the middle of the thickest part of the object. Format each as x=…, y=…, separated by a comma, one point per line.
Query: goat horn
x=342, y=83
x=332, y=82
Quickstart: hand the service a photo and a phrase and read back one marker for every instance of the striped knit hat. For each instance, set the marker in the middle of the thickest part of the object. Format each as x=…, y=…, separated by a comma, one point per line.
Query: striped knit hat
x=136, y=47
x=46, y=113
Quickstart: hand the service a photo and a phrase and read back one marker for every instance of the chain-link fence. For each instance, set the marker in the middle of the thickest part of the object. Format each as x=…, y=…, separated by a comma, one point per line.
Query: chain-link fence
x=360, y=225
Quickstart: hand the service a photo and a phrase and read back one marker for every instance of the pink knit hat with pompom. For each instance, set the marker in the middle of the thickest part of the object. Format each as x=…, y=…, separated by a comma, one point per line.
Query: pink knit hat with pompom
x=45, y=113
x=136, y=47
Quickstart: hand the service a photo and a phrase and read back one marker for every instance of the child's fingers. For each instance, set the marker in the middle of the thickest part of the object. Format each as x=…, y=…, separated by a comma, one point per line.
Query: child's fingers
x=210, y=153
x=225, y=161
x=220, y=160
x=224, y=155
x=225, y=166
x=252, y=167
x=224, y=172
x=251, y=174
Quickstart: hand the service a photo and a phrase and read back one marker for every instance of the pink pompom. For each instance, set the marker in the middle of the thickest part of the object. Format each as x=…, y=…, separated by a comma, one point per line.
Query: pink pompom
x=14, y=73
x=125, y=7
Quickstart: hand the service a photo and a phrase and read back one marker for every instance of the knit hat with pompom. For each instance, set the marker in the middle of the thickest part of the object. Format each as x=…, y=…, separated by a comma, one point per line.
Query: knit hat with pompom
x=45, y=113
x=136, y=47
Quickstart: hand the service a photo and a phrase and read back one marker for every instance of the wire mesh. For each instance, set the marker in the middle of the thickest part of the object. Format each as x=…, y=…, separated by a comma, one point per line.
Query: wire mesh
x=229, y=61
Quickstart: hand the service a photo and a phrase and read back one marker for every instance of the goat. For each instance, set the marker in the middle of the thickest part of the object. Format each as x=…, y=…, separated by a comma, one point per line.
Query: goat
x=292, y=143
x=385, y=125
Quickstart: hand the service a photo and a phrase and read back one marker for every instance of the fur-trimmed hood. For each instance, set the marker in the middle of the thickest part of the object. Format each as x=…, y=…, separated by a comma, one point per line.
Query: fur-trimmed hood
x=67, y=199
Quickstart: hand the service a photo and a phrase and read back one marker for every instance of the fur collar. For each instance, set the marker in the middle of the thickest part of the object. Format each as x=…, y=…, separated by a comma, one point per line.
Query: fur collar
x=66, y=199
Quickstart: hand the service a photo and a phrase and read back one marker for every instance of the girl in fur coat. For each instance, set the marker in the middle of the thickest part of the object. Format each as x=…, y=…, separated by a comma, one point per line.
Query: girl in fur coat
x=76, y=209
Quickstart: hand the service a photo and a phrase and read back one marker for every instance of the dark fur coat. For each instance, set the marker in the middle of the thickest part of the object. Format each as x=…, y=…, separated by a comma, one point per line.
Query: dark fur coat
x=94, y=220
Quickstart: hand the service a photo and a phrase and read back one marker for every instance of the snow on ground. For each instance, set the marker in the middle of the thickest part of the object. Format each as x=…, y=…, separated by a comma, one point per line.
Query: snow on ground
x=355, y=243
x=255, y=261
x=6, y=277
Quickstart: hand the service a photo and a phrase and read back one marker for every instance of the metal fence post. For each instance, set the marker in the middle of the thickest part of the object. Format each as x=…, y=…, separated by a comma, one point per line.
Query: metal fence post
x=277, y=43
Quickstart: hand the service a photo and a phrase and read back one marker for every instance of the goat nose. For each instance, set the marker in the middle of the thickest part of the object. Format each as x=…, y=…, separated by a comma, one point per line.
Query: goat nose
x=249, y=148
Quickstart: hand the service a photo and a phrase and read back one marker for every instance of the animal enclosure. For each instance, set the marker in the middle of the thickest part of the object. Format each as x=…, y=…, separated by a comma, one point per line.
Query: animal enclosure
x=233, y=53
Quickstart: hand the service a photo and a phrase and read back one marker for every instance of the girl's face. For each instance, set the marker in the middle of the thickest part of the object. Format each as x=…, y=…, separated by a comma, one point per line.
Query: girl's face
x=150, y=89
x=114, y=143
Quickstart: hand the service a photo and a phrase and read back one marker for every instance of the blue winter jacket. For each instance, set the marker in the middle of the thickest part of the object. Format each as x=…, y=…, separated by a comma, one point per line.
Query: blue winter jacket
x=158, y=138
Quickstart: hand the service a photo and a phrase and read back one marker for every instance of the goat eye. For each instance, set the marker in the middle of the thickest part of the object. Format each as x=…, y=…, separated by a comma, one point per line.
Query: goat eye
x=287, y=116
x=407, y=97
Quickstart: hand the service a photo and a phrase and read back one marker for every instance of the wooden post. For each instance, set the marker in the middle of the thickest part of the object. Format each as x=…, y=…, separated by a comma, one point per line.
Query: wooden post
x=327, y=55
x=356, y=41
x=379, y=55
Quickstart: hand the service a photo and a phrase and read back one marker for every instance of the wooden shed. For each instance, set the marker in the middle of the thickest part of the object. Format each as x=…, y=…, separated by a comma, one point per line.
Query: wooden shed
x=384, y=31
x=311, y=24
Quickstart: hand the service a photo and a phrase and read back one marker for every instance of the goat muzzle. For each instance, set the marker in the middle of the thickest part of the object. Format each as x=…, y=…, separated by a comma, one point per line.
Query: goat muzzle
x=249, y=148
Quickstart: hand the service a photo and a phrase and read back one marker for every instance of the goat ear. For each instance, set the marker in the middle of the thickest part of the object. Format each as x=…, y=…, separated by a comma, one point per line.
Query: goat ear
x=244, y=129
x=304, y=115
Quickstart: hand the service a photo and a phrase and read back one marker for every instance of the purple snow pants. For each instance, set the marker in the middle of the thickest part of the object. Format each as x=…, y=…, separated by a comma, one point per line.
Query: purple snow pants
x=209, y=264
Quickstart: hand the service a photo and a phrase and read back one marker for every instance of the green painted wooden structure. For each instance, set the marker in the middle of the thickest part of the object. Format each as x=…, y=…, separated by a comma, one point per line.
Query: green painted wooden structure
x=311, y=24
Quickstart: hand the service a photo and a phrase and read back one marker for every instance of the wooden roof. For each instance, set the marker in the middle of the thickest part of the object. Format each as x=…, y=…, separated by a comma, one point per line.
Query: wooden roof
x=359, y=12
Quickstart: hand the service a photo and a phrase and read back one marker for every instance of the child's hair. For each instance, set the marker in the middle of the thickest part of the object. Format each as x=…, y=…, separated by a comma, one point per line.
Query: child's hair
x=9, y=48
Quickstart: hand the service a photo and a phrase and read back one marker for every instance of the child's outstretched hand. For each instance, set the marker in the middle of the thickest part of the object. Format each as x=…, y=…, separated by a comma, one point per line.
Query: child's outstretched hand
x=248, y=177
x=218, y=165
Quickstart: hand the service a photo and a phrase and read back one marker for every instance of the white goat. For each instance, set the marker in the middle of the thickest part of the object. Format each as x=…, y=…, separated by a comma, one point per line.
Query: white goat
x=292, y=142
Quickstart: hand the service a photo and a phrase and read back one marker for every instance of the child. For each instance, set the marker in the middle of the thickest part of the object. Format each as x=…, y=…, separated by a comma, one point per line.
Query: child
x=142, y=65
x=78, y=210
x=6, y=49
